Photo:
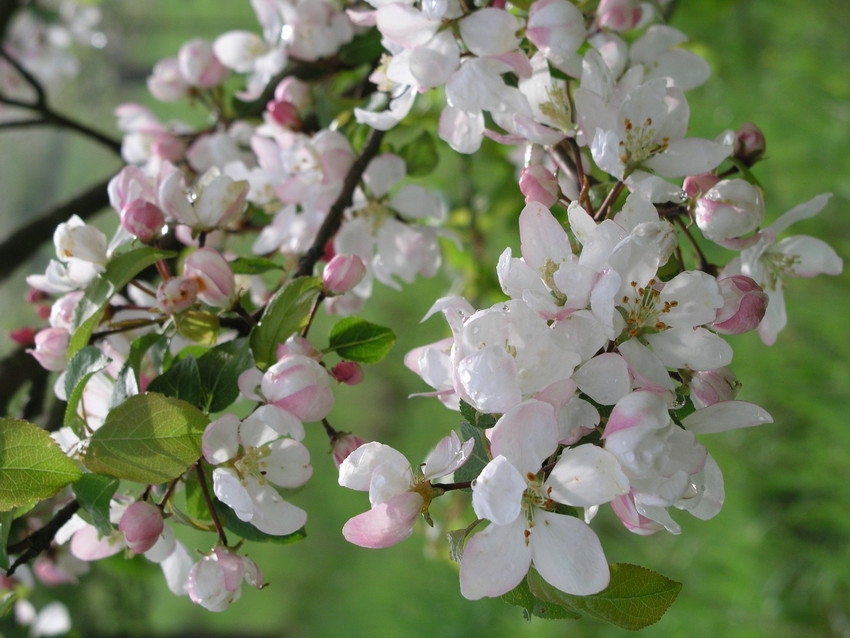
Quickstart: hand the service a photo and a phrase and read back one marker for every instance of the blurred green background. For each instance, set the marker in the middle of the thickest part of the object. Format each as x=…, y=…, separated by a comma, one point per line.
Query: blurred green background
x=775, y=562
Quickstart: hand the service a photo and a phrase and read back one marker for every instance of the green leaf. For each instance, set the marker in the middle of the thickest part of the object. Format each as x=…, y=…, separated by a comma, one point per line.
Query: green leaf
x=32, y=466
x=181, y=381
x=363, y=49
x=82, y=366
x=358, y=340
x=219, y=371
x=476, y=418
x=288, y=311
x=522, y=596
x=196, y=504
x=253, y=265
x=93, y=492
x=420, y=155
x=119, y=272
x=150, y=438
x=635, y=598
x=470, y=470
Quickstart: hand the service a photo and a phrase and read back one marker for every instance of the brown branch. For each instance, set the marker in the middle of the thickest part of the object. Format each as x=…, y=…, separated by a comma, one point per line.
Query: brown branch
x=41, y=539
x=24, y=241
x=334, y=218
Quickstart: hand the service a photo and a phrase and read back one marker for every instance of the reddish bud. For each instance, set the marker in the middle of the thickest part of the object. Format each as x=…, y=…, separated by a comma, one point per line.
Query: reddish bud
x=23, y=336
x=143, y=219
x=538, y=184
x=347, y=372
x=141, y=525
x=343, y=273
x=744, y=305
x=343, y=444
x=750, y=144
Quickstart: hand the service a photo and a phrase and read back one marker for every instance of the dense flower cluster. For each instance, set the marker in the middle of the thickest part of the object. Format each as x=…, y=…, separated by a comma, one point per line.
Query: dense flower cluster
x=587, y=386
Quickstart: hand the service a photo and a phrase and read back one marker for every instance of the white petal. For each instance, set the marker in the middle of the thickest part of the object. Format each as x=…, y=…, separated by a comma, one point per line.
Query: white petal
x=726, y=415
x=690, y=156
x=288, y=463
x=696, y=349
x=568, y=554
x=448, y=456
x=272, y=514
x=228, y=488
x=494, y=561
x=526, y=435
x=585, y=476
x=220, y=441
x=356, y=470
x=812, y=256
x=497, y=492
x=605, y=378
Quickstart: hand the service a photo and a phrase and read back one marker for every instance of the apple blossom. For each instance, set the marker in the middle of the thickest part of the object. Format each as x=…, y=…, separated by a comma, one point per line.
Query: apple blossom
x=141, y=524
x=215, y=581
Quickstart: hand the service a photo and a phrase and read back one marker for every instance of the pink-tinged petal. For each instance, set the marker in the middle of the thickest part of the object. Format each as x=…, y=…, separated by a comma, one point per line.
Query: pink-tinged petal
x=497, y=492
x=526, y=435
x=448, y=456
x=726, y=415
x=176, y=568
x=568, y=555
x=811, y=256
x=542, y=237
x=249, y=384
x=494, y=561
x=272, y=514
x=220, y=441
x=586, y=476
x=632, y=520
x=640, y=409
x=647, y=369
x=356, y=470
x=87, y=544
x=385, y=524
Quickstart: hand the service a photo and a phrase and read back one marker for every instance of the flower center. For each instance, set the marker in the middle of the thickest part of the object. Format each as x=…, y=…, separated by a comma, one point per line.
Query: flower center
x=253, y=462
x=638, y=143
x=643, y=312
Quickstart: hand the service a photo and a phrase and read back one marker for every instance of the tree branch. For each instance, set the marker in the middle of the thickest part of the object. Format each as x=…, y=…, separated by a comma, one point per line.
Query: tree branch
x=334, y=219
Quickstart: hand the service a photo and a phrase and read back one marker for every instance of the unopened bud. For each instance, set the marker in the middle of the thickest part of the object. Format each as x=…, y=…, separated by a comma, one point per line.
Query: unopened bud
x=143, y=219
x=343, y=273
x=343, y=444
x=299, y=385
x=166, y=83
x=619, y=15
x=284, y=113
x=199, y=65
x=51, y=348
x=347, y=372
x=216, y=282
x=750, y=144
x=141, y=525
x=744, y=305
x=730, y=209
x=177, y=294
x=538, y=184
x=23, y=336
x=713, y=386
x=696, y=185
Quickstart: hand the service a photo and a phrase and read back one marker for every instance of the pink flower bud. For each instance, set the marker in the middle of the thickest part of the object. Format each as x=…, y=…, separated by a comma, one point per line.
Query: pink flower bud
x=619, y=15
x=343, y=273
x=299, y=385
x=166, y=83
x=348, y=372
x=696, y=185
x=143, y=219
x=216, y=283
x=23, y=336
x=749, y=144
x=51, y=348
x=142, y=526
x=284, y=113
x=199, y=65
x=538, y=184
x=713, y=386
x=730, y=209
x=168, y=147
x=177, y=294
x=63, y=309
x=294, y=91
x=343, y=444
x=744, y=305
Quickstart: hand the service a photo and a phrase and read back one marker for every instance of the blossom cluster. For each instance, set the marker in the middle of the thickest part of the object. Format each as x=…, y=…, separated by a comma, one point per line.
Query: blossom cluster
x=587, y=386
